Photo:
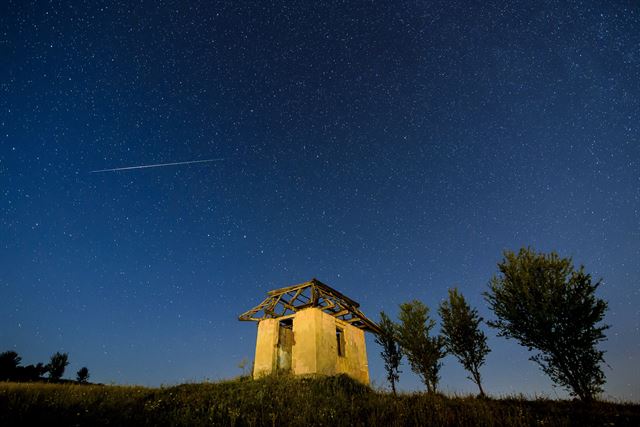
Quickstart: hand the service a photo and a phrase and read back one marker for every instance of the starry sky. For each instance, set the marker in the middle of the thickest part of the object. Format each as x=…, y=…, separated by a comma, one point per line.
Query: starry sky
x=392, y=149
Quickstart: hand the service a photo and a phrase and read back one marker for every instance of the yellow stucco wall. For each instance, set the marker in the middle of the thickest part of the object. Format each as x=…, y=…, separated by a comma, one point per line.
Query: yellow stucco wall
x=266, y=342
x=304, y=353
x=354, y=363
x=314, y=348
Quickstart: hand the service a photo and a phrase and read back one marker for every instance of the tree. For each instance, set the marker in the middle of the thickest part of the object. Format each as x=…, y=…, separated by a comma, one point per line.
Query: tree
x=547, y=305
x=82, y=375
x=422, y=350
x=391, y=350
x=9, y=362
x=31, y=372
x=462, y=335
x=57, y=365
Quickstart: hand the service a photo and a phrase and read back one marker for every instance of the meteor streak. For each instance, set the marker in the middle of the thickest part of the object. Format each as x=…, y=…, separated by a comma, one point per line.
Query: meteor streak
x=157, y=165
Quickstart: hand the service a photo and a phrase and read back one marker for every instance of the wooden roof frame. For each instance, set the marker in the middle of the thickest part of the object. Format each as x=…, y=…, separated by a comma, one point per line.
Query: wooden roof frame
x=287, y=301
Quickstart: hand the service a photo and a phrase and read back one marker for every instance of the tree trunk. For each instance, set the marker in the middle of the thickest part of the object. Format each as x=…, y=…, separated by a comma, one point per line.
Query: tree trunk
x=476, y=378
x=481, y=390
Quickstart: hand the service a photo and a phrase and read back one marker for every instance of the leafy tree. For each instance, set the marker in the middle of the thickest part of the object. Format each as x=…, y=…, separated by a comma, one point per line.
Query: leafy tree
x=57, y=365
x=82, y=375
x=391, y=350
x=422, y=350
x=31, y=372
x=547, y=305
x=462, y=335
x=9, y=362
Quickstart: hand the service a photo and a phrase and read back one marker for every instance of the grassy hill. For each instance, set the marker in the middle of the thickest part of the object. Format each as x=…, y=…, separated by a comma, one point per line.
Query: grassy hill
x=329, y=401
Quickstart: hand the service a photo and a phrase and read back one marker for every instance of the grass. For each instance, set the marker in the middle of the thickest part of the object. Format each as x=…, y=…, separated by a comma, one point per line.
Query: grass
x=286, y=401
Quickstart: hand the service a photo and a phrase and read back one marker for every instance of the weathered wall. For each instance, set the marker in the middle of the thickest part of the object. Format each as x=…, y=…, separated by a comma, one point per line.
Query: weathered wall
x=327, y=361
x=327, y=352
x=304, y=351
x=265, y=359
x=314, y=347
x=354, y=363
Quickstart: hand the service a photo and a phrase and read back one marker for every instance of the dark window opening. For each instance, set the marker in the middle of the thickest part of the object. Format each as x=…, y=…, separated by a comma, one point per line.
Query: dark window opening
x=287, y=323
x=340, y=341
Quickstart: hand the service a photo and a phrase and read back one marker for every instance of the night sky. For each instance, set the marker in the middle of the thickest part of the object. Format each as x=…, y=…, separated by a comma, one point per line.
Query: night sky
x=390, y=149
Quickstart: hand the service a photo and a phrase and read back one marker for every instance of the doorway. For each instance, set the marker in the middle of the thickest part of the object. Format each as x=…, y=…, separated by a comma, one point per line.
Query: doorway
x=285, y=346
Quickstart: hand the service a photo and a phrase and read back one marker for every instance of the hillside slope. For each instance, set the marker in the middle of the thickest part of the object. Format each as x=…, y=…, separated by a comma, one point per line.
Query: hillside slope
x=330, y=401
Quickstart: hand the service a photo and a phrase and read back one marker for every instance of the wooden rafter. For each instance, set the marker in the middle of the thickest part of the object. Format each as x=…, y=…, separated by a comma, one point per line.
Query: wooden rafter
x=324, y=297
x=341, y=312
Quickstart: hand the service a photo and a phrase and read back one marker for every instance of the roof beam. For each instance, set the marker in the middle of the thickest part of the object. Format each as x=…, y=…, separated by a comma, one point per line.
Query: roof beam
x=320, y=295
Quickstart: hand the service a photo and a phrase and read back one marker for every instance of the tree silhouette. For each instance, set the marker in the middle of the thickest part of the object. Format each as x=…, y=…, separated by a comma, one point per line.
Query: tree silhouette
x=547, y=305
x=422, y=350
x=31, y=372
x=82, y=376
x=9, y=362
x=391, y=350
x=462, y=335
x=57, y=365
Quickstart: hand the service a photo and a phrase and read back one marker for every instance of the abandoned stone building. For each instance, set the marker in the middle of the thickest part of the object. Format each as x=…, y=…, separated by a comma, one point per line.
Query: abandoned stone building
x=310, y=329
